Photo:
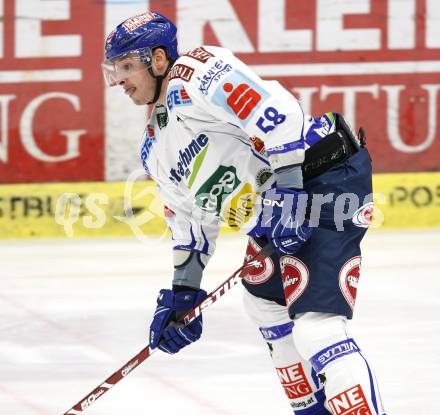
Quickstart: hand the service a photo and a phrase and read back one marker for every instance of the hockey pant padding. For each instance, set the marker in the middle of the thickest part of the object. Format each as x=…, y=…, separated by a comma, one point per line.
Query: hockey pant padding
x=349, y=382
x=301, y=385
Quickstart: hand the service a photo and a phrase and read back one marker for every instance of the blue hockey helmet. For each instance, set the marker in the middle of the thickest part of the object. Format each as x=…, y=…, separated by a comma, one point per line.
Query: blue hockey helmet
x=141, y=34
x=137, y=37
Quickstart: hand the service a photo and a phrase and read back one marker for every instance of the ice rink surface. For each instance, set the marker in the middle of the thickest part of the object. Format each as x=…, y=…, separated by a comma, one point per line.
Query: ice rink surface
x=73, y=312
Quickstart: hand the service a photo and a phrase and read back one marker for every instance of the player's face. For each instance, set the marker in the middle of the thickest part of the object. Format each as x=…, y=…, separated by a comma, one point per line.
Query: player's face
x=133, y=76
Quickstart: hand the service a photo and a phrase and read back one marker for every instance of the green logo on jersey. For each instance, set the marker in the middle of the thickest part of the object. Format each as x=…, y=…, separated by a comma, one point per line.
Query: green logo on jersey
x=211, y=194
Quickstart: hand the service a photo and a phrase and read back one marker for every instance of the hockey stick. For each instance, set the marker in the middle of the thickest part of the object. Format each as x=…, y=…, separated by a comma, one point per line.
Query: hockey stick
x=145, y=353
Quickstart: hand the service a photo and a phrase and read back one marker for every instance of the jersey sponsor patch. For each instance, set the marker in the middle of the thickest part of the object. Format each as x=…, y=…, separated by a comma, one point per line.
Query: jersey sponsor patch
x=239, y=209
x=200, y=54
x=181, y=71
x=216, y=189
x=350, y=402
x=148, y=140
x=349, y=279
x=177, y=96
x=258, y=144
x=213, y=75
x=363, y=217
x=295, y=277
x=185, y=158
x=294, y=381
x=261, y=269
x=240, y=96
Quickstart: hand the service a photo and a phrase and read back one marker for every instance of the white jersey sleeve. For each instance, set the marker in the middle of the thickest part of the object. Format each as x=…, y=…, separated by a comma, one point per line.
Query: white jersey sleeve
x=191, y=229
x=221, y=87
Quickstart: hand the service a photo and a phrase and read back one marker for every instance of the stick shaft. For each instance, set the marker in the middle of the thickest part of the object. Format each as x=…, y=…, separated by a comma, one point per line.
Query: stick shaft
x=145, y=353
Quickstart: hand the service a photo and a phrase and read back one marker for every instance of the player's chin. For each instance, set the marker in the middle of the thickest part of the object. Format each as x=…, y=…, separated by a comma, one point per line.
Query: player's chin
x=139, y=100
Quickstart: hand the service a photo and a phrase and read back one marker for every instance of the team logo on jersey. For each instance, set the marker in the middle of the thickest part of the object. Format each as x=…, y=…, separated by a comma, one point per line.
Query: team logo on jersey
x=295, y=277
x=294, y=381
x=177, y=96
x=363, y=217
x=349, y=279
x=181, y=71
x=263, y=176
x=261, y=269
x=161, y=116
x=200, y=54
x=350, y=402
x=218, y=187
x=240, y=96
x=185, y=158
x=213, y=74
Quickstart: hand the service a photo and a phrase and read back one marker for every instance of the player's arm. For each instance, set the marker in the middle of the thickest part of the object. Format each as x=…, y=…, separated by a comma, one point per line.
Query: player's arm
x=193, y=244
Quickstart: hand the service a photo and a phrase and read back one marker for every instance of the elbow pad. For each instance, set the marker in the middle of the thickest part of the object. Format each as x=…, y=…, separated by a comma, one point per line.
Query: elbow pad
x=188, y=268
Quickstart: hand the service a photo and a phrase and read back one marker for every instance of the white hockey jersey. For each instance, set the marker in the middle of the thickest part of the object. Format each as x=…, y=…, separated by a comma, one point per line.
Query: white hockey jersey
x=202, y=149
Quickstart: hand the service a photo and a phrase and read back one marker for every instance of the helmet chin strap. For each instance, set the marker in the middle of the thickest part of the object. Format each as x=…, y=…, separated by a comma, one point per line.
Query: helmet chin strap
x=159, y=79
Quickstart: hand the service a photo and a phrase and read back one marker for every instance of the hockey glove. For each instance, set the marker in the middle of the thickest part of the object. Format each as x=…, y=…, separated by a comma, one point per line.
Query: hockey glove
x=165, y=332
x=283, y=219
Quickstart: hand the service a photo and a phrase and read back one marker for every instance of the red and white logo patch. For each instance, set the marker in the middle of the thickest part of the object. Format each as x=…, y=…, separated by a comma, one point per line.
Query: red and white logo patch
x=349, y=279
x=350, y=402
x=364, y=215
x=260, y=269
x=200, y=54
x=180, y=71
x=294, y=381
x=295, y=276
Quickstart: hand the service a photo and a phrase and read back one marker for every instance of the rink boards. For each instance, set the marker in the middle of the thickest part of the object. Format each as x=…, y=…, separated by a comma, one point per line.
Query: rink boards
x=126, y=209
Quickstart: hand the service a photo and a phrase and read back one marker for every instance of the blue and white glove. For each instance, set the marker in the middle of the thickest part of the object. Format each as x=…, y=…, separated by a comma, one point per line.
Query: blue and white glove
x=165, y=333
x=283, y=219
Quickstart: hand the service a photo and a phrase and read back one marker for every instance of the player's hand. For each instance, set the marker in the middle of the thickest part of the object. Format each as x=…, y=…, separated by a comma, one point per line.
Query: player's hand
x=283, y=219
x=165, y=333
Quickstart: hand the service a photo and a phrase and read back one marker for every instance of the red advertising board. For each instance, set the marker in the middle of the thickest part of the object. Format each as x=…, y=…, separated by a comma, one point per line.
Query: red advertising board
x=51, y=91
x=375, y=61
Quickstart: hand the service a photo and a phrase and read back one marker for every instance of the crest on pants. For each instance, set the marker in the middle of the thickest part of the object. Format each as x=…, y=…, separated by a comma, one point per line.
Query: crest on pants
x=349, y=279
x=295, y=276
x=260, y=269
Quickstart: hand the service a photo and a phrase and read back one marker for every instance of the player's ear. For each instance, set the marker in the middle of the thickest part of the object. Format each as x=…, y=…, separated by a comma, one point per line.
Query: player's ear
x=160, y=59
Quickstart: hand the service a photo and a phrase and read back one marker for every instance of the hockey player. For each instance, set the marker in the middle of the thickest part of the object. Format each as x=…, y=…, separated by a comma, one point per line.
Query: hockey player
x=225, y=146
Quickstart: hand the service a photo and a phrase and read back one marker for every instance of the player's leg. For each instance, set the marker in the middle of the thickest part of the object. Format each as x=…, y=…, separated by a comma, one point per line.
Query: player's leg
x=320, y=286
x=298, y=379
x=349, y=381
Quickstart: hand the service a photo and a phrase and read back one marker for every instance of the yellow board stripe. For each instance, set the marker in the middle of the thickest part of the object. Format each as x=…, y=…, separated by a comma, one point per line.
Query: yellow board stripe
x=403, y=200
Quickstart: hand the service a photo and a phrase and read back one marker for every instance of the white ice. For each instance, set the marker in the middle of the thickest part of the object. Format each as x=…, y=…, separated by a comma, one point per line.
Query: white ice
x=73, y=312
